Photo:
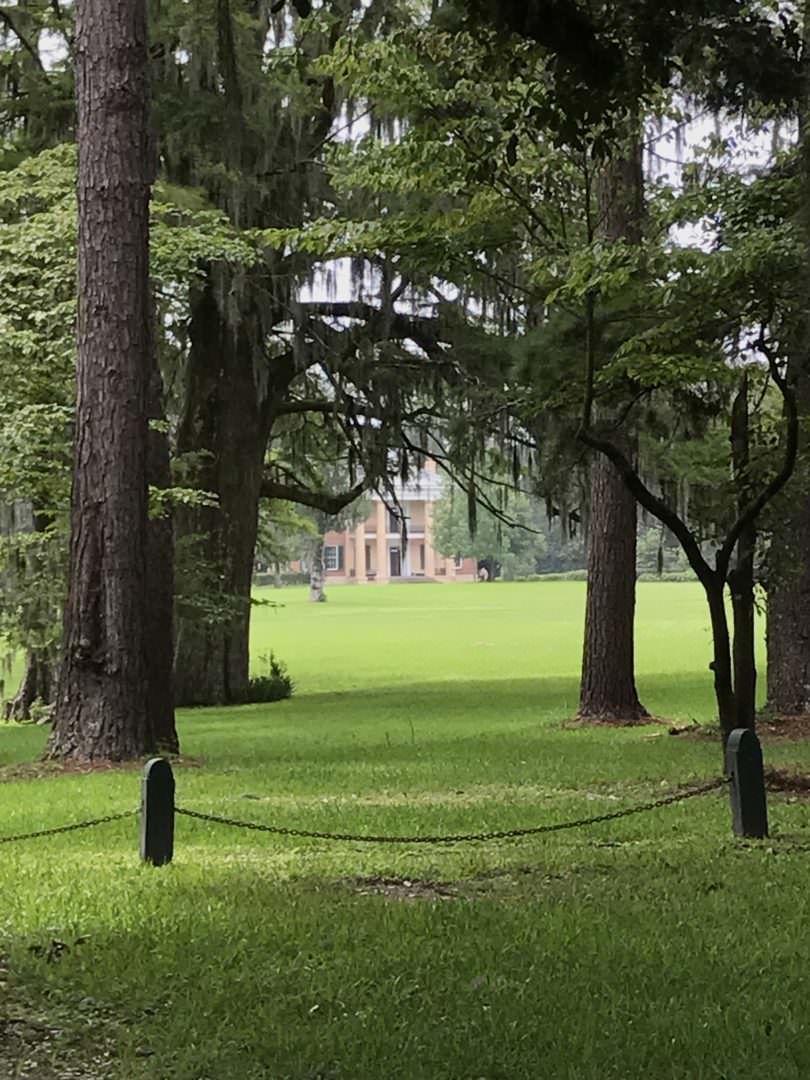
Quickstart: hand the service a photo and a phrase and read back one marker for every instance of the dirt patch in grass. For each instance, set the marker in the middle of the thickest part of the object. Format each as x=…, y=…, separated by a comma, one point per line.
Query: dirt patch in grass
x=36, y=1046
x=31, y=1049
x=794, y=728
x=499, y=881
x=614, y=722
x=504, y=883
x=790, y=782
x=46, y=770
x=404, y=889
x=789, y=728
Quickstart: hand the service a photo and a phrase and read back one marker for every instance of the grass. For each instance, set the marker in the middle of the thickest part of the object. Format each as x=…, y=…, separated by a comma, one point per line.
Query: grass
x=431, y=633
x=654, y=947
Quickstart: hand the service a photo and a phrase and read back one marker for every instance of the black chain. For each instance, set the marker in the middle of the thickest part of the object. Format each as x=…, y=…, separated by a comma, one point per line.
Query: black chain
x=504, y=834
x=69, y=828
x=280, y=830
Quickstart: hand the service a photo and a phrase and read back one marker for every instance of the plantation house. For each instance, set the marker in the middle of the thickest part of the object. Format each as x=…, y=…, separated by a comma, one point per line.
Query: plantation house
x=372, y=551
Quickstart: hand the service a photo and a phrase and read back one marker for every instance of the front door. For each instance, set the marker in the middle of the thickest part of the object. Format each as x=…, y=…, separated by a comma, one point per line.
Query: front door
x=395, y=557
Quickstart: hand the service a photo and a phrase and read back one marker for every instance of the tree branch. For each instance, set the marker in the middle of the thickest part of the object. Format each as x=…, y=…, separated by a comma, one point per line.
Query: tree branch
x=590, y=360
x=422, y=331
x=443, y=462
x=26, y=44
x=348, y=405
x=656, y=506
x=772, y=489
x=308, y=405
x=316, y=500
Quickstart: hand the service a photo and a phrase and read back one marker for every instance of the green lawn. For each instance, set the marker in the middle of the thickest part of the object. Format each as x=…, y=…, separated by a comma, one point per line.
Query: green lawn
x=367, y=637
x=654, y=947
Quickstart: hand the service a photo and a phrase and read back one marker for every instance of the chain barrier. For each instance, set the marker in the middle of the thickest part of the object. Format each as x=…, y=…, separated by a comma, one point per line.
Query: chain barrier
x=69, y=828
x=502, y=834
x=353, y=838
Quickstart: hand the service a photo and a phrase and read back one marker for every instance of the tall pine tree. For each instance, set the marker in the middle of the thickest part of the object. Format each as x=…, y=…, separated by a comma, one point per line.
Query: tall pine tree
x=102, y=703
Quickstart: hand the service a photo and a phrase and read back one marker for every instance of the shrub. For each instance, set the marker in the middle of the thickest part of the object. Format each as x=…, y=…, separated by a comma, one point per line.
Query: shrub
x=274, y=684
x=669, y=575
x=582, y=575
x=288, y=577
x=562, y=575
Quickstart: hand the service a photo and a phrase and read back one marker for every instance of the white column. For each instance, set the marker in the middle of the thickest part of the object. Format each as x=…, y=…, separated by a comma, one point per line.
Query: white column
x=360, y=553
x=383, y=566
x=430, y=554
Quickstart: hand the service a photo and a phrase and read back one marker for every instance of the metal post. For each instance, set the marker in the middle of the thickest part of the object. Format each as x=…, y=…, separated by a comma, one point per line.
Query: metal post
x=749, y=807
x=157, y=812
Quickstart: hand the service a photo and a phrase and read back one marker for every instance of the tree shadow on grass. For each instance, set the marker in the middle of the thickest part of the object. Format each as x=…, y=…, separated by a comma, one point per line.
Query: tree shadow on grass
x=667, y=695
x=232, y=973
x=399, y=722
x=501, y=731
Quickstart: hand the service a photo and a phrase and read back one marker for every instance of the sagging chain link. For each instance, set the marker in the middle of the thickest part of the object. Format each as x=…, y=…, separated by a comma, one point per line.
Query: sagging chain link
x=312, y=834
x=69, y=828
x=501, y=834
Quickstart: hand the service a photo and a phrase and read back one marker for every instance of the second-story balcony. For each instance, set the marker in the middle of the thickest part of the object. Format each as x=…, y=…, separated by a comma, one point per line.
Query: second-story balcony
x=414, y=531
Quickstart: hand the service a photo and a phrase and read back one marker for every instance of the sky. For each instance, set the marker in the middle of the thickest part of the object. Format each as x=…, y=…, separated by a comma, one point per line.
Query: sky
x=669, y=146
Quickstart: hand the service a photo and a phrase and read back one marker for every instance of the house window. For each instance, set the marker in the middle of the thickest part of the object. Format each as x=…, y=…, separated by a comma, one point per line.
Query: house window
x=459, y=561
x=333, y=557
x=394, y=523
x=422, y=557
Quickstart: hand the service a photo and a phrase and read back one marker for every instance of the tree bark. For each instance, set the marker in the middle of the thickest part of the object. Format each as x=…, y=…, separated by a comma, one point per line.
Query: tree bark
x=102, y=699
x=229, y=388
x=317, y=574
x=741, y=578
x=788, y=570
x=225, y=428
x=160, y=581
x=35, y=611
x=721, y=664
x=788, y=586
x=608, y=686
x=37, y=685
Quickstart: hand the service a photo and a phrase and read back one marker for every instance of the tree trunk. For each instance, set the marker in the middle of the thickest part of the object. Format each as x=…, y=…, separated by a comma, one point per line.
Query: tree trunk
x=788, y=572
x=741, y=582
x=741, y=579
x=102, y=698
x=317, y=574
x=36, y=611
x=229, y=385
x=608, y=687
x=225, y=429
x=788, y=635
x=489, y=566
x=37, y=686
x=160, y=581
x=721, y=664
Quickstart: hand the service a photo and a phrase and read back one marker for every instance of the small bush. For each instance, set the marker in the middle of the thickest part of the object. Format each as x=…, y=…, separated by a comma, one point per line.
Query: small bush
x=561, y=575
x=582, y=575
x=288, y=577
x=669, y=575
x=274, y=684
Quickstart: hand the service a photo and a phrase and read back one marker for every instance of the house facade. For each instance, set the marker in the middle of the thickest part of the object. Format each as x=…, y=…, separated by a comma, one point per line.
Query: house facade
x=372, y=551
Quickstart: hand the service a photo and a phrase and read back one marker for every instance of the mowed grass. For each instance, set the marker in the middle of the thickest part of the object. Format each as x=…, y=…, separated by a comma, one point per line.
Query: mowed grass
x=652, y=947
x=367, y=637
